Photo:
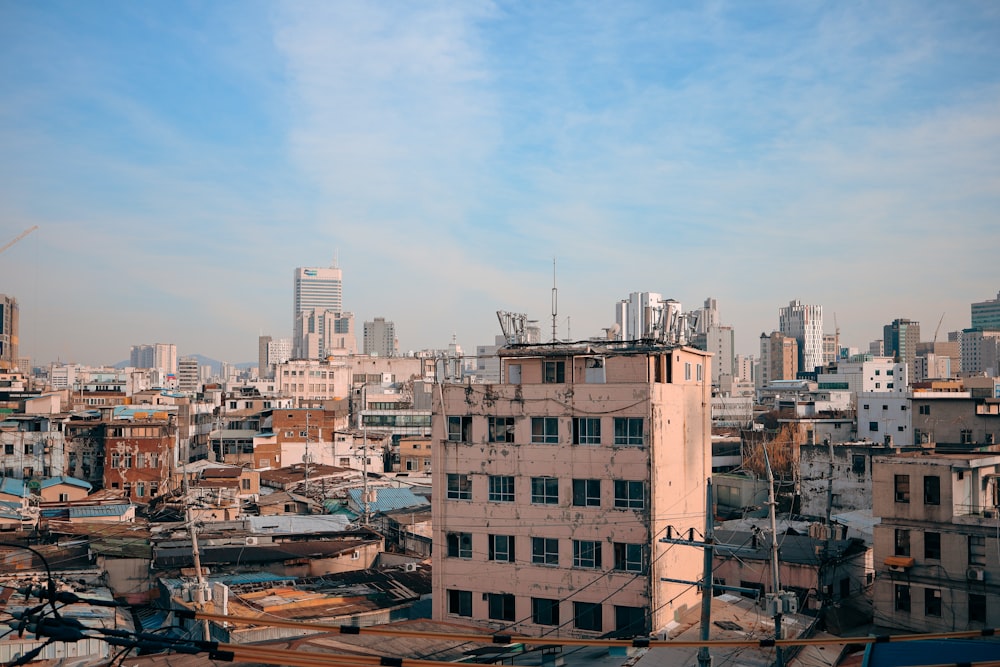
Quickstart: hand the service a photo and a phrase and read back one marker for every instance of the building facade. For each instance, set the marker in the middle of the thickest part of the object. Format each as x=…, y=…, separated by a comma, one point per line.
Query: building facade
x=552, y=490
x=9, y=325
x=156, y=355
x=313, y=289
x=901, y=339
x=936, y=546
x=380, y=338
x=779, y=358
x=986, y=314
x=805, y=324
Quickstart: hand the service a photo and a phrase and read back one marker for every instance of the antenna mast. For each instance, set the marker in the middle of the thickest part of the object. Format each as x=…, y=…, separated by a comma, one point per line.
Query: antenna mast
x=555, y=301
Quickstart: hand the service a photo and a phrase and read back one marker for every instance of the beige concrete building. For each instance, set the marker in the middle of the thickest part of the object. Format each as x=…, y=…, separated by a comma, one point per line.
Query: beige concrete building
x=553, y=489
x=937, y=556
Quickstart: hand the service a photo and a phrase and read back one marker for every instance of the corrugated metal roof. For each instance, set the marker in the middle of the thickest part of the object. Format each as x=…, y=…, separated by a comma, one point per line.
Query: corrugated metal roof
x=388, y=499
x=98, y=510
x=70, y=481
x=13, y=486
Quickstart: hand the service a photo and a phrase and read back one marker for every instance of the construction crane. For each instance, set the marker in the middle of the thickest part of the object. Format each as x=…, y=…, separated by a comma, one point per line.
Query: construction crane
x=19, y=237
x=938, y=329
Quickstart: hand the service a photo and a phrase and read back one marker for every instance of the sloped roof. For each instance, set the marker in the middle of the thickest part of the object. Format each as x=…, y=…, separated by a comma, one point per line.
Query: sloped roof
x=70, y=481
x=13, y=487
x=388, y=499
x=98, y=510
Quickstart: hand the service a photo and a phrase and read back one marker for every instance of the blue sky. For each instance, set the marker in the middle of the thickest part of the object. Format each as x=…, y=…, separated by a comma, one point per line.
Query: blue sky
x=182, y=158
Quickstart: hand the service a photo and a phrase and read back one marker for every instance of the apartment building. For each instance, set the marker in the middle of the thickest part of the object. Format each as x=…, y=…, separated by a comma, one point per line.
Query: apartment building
x=936, y=548
x=552, y=490
x=139, y=455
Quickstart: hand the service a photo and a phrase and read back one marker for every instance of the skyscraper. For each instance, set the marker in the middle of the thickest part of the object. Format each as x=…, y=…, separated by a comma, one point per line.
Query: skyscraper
x=900, y=340
x=157, y=355
x=315, y=290
x=986, y=314
x=8, y=332
x=380, y=338
x=804, y=324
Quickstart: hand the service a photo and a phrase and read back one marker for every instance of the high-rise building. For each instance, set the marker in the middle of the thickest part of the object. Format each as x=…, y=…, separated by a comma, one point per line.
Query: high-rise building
x=314, y=289
x=270, y=353
x=986, y=314
x=901, y=339
x=325, y=333
x=9, y=325
x=805, y=324
x=188, y=375
x=380, y=338
x=547, y=514
x=157, y=355
x=779, y=358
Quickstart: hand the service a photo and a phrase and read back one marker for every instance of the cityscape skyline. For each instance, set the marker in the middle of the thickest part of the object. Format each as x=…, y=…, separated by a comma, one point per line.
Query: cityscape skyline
x=180, y=161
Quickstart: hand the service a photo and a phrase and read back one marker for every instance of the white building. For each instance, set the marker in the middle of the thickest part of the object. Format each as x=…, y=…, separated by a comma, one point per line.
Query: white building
x=325, y=333
x=980, y=349
x=644, y=315
x=157, y=355
x=885, y=417
x=315, y=289
x=805, y=324
x=878, y=374
x=188, y=375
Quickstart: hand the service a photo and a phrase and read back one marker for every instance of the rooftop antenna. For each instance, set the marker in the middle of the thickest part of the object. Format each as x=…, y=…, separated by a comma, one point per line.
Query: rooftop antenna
x=336, y=259
x=555, y=301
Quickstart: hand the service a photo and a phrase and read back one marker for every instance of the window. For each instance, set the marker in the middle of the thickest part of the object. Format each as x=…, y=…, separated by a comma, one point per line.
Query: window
x=501, y=429
x=554, y=372
x=630, y=494
x=127, y=460
x=902, y=484
x=858, y=464
x=902, y=547
x=501, y=489
x=116, y=459
x=460, y=603
x=544, y=551
x=8, y=449
x=628, y=557
x=965, y=436
x=245, y=484
x=586, y=493
x=885, y=407
x=687, y=371
x=459, y=545
x=873, y=427
x=29, y=448
x=586, y=431
x=140, y=459
x=154, y=460
x=628, y=431
x=459, y=429
x=545, y=430
x=501, y=606
x=154, y=488
x=902, y=598
x=544, y=611
x=699, y=373
x=545, y=490
x=977, y=550
x=924, y=409
x=502, y=548
x=64, y=497
x=459, y=487
x=977, y=608
x=587, y=616
x=932, y=546
x=932, y=490
x=140, y=489
x=932, y=602
x=586, y=553
x=630, y=621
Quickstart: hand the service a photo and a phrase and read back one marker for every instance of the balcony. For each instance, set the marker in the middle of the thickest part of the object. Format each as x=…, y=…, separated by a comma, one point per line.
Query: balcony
x=976, y=515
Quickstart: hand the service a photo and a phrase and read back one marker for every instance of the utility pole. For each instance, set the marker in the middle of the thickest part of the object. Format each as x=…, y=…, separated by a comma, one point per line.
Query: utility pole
x=201, y=597
x=704, y=656
x=305, y=459
x=779, y=600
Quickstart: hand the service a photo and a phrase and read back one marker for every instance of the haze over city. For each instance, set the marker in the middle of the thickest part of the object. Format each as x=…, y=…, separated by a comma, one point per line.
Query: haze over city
x=180, y=160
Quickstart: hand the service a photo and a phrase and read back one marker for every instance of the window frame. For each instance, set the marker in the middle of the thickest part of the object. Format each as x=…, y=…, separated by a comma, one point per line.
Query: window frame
x=501, y=429
x=545, y=430
x=541, y=490
x=460, y=602
x=630, y=494
x=587, y=554
x=625, y=435
x=901, y=542
x=586, y=430
x=629, y=557
x=459, y=545
x=588, y=616
x=932, y=490
x=554, y=371
x=902, y=600
x=501, y=548
x=500, y=606
x=545, y=551
x=932, y=545
x=501, y=489
x=459, y=428
x=932, y=602
x=901, y=488
x=545, y=611
x=586, y=493
x=462, y=487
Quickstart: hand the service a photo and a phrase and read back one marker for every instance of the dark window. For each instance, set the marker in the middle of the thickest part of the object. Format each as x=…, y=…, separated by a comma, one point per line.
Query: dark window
x=932, y=490
x=544, y=611
x=932, y=546
x=873, y=427
x=586, y=493
x=554, y=371
x=501, y=606
x=545, y=430
x=460, y=545
x=932, y=602
x=8, y=449
x=629, y=557
x=586, y=431
x=460, y=429
x=587, y=616
x=460, y=602
x=902, y=598
x=965, y=436
x=502, y=548
x=902, y=547
x=545, y=490
x=586, y=553
x=501, y=489
x=630, y=621
x=459, y=487
x=858, y=464
x=544, y=551
x=630, y=494
x=977, y=608
x=501, y=429
x=628, y=431
x=924, y=409
x=902, y=484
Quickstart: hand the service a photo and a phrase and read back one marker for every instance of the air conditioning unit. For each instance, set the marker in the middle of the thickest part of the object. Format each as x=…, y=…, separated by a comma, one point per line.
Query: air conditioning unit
x=897, y=568
x=975, y=574
x=251, y=540
x=410, y=567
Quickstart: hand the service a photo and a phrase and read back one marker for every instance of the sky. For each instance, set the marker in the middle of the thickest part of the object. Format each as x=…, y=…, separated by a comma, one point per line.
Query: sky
x=180, y=159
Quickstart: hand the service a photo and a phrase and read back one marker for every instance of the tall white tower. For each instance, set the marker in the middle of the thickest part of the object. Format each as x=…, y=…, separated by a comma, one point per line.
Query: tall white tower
x=314, y=289
x=804, y=324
